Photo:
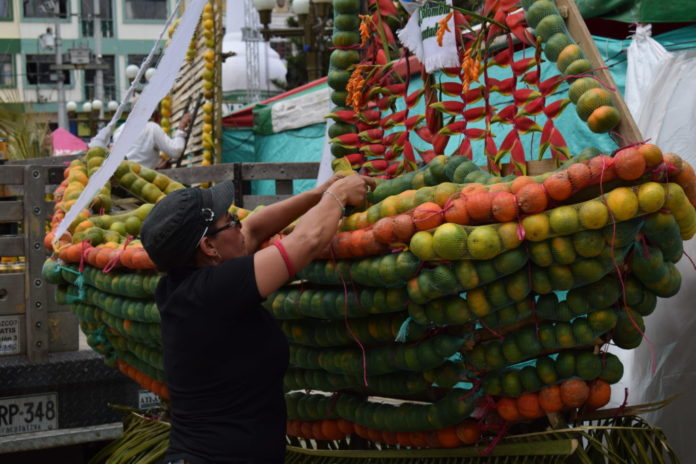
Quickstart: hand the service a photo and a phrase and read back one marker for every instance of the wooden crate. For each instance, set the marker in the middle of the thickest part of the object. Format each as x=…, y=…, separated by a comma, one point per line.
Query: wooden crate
x=31, y=323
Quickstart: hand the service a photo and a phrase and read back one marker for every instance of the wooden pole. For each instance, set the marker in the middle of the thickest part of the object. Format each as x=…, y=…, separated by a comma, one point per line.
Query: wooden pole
x=627, y=128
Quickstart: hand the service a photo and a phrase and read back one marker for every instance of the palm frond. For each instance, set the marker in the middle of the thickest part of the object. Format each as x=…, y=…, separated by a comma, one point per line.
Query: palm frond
x=24, y=132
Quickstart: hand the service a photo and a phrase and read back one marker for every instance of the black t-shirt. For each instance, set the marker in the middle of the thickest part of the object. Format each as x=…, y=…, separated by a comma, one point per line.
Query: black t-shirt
x=224, y=358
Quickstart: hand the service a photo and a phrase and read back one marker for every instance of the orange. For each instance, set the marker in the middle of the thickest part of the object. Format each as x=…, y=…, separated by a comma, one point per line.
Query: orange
x=579, y=176
x=499, y=187
x=574, y=392
x=651, y=153
x=404, y=438
x=329, y=428
x=520, y=182
x=374, y=435
x=600, y=393
x=418, y=439
x=478, y=205
x=448, y=437
x=629, y=164
x=603, y=119
x=427, y=216
x=675, y=163
x=403, y=227
x=355, y=243
x=507, y=409
x=686, y=176
x=469, y=432
x=456, y=212
x=601, y=169
x=504, y=206
x=473, y=188
x=532, y=198
x=346, y=427
x=383, y=230
x=528, y=406
x=558, y=186
x=550, y=398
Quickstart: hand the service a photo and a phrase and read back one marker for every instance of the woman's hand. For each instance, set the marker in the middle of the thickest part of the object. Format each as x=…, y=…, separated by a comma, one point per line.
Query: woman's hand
x=328, y=183
x=352, y=190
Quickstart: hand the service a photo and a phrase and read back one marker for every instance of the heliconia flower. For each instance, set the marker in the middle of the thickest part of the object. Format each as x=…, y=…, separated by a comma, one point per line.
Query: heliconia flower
x=443, y=27
x=522, y=96
x=347, y=140
x=556, y=108
x=548, y=86
x=411, y=122
x=387, y=8
x=533, y=107
x=452, y=107
x=385, y=102
x=374, y=149
x=505, y=87
x=413, y=98
x=476, y=134
x=474, y=114
x=347, y=116
x=440, y=143
x=473, y=95
x=397, y=89
x=427, y=155
x=450, y=88
x=465, y=149
x=516, y=23
x=531, y=78
x=424, y=133
x=452, y=128
x=433, y=119
x=502, y=58
x=521, y=66
x=524, y=125
x=408, y=152
x=375, y=165
x=370, y=116
x=506, y=115
x=393, y=119
x=355, y=158
x=489, y=147
x=371, y=135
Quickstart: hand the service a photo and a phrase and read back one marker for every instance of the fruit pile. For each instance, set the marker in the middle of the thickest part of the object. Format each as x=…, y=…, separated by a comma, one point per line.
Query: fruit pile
x=450, y=309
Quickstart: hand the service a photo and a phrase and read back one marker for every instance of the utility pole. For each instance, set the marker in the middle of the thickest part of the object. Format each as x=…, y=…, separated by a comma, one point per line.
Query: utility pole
x=62, y=113
x=98, y=73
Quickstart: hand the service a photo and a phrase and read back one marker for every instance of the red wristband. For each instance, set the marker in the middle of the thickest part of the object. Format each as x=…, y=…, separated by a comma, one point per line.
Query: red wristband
x=286, y=258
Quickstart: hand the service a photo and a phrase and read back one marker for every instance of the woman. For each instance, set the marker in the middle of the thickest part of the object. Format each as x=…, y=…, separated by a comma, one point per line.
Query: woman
x=224, y=354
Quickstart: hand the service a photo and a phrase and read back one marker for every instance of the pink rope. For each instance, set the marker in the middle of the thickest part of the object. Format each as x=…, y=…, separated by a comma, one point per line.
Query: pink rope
x=352, y=334
x=86, y=245
x=619, y=274
x=590, y=73
x=116, y=258
x=490, y=329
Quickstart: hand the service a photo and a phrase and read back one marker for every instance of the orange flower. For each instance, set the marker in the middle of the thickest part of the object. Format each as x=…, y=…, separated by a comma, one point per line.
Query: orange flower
x=365, y=22
x=471, y=69
x=355, y=87
x=442, y=27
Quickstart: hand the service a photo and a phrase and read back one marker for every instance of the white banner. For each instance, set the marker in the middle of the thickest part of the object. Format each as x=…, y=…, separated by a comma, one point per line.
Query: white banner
x=160, y=84
x=420, y=36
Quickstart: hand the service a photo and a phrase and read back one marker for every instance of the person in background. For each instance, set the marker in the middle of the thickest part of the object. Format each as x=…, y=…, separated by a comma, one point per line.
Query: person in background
x=224, y=354
x=153, y=140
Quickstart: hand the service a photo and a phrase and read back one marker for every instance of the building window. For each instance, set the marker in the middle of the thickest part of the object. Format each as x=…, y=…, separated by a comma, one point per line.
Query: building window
x=6, y=73
x=106, y=14
x=108, y=76
x=5, y=10
x=146, y=9
x=39, y=72
x=44, y=8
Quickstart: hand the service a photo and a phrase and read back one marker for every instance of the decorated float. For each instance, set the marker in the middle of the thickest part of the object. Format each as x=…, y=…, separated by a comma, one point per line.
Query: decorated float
x=466, y=313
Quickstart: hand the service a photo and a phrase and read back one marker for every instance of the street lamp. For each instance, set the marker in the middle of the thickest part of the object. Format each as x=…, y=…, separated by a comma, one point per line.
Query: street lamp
x=97, y=105
x=112, y=105
x=87, y=107
x=132, y=71
x=149, y=73
x=264, y=7
x=71, y=106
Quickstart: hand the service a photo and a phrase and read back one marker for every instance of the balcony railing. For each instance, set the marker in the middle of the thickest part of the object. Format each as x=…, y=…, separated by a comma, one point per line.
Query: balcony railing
x=107, y=28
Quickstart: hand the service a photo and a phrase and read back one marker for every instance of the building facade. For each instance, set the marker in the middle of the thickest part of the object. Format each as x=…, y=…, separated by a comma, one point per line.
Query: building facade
x=129, y=30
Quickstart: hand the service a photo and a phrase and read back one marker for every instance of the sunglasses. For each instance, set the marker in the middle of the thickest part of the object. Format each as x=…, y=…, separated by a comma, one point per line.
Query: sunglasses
x=234, y=222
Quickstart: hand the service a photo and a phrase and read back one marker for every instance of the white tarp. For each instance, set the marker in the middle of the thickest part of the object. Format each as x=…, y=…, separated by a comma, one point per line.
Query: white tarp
x=661, y=93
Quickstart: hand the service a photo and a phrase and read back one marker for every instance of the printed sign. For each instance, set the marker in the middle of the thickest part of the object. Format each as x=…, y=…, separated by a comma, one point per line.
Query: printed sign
x=147, y=399
x=9, y=335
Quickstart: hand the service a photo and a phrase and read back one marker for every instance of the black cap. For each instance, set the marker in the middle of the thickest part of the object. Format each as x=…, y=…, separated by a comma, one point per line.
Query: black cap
x=171, y=232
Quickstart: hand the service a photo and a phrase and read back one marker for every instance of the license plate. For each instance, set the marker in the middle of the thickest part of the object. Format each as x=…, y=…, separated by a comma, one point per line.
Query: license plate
x=33, y=413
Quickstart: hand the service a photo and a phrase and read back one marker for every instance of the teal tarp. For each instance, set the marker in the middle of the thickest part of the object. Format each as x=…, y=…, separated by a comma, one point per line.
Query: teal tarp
x=292, y=146
x=306, y=144
x=640, y=11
